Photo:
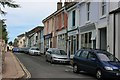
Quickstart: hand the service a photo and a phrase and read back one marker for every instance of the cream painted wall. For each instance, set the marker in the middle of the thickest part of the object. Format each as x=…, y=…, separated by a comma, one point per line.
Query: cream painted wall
x=21, y=42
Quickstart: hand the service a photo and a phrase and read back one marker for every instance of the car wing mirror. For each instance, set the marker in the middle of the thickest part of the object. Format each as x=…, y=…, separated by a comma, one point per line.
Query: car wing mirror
x=93, y=59
x=49, y=52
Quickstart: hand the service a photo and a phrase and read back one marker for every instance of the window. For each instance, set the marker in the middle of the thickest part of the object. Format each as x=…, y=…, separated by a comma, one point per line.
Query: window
x=73, y=18
x=86, y=40
x=90, y=35
x=36, y=38
x=103, y=8
x=90, y=56
x=78, y=53
x=84, y=54
x=86, y=35
x=88, y=11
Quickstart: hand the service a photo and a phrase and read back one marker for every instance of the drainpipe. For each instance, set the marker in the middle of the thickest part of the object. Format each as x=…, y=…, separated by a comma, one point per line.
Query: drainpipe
x=114, y=34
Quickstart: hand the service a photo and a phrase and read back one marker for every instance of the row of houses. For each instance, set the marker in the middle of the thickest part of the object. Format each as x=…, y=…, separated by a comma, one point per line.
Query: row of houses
x=82, y=24
x=76, y=25
x=32, y=38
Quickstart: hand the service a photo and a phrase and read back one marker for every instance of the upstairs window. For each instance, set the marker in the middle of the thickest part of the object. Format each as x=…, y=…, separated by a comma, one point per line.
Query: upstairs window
x=103, y=8
x=88, y=11
x=73, y=18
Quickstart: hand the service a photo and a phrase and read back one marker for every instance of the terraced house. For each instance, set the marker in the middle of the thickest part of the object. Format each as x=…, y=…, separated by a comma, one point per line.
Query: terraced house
x=90, y=24
x=55, y=30
x=34, y=38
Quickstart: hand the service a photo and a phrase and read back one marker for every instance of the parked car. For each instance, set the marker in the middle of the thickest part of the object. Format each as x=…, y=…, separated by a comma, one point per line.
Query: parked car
x=56, y=55
x=21, y=50
x=98, y=62
x=15, y=49
x=34, y=51
x=26, y=50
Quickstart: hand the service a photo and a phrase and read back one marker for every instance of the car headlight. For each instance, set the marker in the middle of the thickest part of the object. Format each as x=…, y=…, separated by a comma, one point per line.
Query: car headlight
x=108, y=68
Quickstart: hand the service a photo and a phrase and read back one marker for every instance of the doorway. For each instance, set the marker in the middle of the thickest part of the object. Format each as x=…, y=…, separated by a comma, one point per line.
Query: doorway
x=103, y=38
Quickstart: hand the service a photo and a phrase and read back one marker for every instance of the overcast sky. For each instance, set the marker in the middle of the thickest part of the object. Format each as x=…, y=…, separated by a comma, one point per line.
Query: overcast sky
x=30, y=15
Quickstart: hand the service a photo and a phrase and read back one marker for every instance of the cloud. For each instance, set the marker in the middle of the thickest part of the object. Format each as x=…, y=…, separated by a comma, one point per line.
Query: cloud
x=28, y=16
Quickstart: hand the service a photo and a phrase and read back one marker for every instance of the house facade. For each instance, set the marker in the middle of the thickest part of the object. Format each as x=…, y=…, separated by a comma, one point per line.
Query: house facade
x=55, y=30
x=48, y=32
x=114, y=27
x=21, y=40
x=91, y=26
x=72, y=30
x=85, y=24
x=33, y=37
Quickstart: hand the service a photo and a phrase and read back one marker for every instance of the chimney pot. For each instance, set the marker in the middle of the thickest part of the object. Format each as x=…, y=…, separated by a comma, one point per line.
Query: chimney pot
x=59, y=5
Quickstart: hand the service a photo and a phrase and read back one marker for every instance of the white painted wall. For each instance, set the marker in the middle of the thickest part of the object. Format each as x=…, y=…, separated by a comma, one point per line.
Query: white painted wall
x=70, y=27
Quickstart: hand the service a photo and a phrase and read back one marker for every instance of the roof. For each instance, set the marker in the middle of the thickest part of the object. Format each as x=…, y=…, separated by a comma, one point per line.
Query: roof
x=95, y=50
x=115, y=11
x=70, y=4
x=21, y=35
x=35, y=30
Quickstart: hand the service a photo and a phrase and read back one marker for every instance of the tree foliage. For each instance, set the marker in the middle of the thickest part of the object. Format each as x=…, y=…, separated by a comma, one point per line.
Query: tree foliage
x=3, y=30
x=8, y=3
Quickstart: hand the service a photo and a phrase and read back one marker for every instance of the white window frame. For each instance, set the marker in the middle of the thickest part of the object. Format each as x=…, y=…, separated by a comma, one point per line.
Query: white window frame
x=88, y=11
x=101, y=9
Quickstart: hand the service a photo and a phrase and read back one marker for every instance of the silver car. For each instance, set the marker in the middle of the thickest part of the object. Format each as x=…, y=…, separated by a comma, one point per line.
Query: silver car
x=34, y=51
x=56, y=55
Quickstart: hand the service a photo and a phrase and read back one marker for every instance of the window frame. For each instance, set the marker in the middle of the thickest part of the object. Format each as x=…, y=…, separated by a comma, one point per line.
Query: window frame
x=103, y=15
x=88, y=11
x=73, y=18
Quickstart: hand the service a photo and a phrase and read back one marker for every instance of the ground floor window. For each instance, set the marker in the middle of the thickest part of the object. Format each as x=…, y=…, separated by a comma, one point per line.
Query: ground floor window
x=62, y=42
x=86, y=40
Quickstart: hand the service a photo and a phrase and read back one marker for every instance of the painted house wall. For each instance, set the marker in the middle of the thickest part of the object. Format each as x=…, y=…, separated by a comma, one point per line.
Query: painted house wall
x=70, y=27
x=21, y=42
x=61, y=30
x=41, y=41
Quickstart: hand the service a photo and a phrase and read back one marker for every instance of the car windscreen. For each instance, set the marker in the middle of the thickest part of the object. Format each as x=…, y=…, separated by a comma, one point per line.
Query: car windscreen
x=59, y=52
x=34, y=48
x=107, y=57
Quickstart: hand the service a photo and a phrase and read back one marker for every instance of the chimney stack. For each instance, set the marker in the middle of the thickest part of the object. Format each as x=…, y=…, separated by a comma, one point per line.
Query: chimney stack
x=59, y=5
x=67, y=2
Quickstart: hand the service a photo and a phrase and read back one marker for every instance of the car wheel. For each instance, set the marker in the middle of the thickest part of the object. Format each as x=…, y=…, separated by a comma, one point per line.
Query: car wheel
x=99, y=74
x=75, y=68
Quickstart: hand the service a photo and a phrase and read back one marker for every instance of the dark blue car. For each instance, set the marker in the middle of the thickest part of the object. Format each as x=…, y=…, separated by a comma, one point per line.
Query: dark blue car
x=15, y=49
x=98, y=62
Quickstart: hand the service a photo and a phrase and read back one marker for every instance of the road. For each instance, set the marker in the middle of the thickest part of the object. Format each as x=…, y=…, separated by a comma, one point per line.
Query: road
x=39, y=68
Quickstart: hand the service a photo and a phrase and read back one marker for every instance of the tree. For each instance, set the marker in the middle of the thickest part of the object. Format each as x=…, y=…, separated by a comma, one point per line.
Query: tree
x=9, y=3
x=3, y=31
x=4, y=3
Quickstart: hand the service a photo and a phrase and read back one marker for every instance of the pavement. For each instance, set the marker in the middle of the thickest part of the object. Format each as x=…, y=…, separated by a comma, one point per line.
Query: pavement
x=13, y=68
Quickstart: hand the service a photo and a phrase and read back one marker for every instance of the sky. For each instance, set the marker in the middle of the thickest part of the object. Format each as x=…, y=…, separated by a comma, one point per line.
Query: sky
x=29, y=15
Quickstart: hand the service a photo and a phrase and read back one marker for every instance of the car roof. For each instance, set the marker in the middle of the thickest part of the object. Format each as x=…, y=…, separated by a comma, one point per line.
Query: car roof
x=54, y=49
x=96, y=50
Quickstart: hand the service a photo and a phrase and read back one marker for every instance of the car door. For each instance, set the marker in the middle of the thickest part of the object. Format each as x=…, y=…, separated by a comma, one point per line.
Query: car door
x=83, y=59
x=76, y=57
x=48, y=54
x=91, y=62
